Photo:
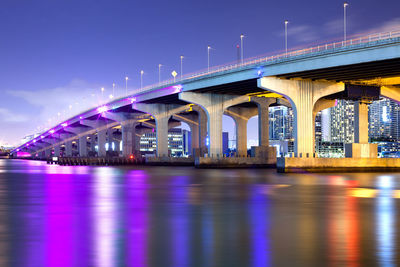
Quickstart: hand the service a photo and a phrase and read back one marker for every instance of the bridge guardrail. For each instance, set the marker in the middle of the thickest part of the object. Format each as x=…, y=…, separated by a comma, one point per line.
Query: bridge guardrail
x=328, y=47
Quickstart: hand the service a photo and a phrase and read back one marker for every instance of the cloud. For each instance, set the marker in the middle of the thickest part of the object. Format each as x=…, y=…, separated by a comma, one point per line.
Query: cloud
x=8, y=116
x=62, y=102
x=301, y=33
x=391, y=25
x=334, y=27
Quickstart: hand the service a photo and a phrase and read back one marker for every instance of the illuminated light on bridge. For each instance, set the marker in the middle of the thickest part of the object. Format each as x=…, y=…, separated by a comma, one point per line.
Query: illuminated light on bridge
x=102, y=109
x=22, y=154
x=178, y=88
x=51, y=131
x=34, y=141
x=64, y=124
x=260, y=72
x=42, y=137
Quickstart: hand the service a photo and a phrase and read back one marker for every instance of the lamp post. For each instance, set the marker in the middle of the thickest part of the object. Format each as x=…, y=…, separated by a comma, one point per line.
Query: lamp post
x=241, y=47
x=208, y=58
x=141, y=79
x=159, y=73
x=102, y=94
x=181, y=66
x=126, y=85
x=286, y=23
x=113, y=93
x=344, y=21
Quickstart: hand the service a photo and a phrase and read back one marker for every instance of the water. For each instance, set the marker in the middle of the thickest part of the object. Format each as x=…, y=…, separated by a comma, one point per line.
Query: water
x=172, y=216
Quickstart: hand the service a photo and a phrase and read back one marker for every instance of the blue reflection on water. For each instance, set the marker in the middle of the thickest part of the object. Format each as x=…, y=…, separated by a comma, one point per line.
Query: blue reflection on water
x=179, y=222
x=386, y=213
x=259, y=213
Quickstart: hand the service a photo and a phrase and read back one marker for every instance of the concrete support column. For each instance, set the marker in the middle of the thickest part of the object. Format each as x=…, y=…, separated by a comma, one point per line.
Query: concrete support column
x=47, y=152
x=68, y=148
x=57, y=150
x=128, y=138
x=92, y=143
x=214, y=105
x=241, y=116
x=263, y=104
x=361, y=148
x=162, y=136
x=161, y=113
x=241, y=137
x=101, y=143
x=303, y=94
x=193, y=122
x=360, y=122
x=202, y=120
x=82, y=146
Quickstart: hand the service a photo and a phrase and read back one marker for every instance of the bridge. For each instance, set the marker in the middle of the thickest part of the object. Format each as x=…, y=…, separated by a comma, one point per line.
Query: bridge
x=308, y=80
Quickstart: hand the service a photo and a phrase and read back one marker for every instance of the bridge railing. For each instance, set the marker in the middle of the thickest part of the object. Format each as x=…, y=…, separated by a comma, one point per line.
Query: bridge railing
x=328, y=47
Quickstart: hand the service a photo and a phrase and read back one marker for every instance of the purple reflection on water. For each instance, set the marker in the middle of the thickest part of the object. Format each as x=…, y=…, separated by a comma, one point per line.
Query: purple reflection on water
x=60, y=228
x=179, y=222
x=138, y=213
x=105, y=217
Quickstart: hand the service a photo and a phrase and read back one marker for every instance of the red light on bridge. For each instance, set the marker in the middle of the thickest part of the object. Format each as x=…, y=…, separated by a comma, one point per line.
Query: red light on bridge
x=131, y=157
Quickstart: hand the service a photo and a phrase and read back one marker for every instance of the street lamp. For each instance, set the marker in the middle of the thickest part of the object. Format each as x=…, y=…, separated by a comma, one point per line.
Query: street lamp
x=159, y=73
x=344, y=20
x=241, y=47
x=102, y=93
x=208, y=58
x=286, y=23
x=141, y=79
x=181, y=66
x=113, y=93
x=126, y=85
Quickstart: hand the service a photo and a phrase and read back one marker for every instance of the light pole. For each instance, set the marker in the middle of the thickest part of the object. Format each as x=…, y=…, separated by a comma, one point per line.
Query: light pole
x=208, y=58
x=159, y=73
x=181, y=66
x=344, y=20
x=113, y=89
x=241, y=47
x=102, y=94
x=286, y=23
x=141, y=79
x=126, y=85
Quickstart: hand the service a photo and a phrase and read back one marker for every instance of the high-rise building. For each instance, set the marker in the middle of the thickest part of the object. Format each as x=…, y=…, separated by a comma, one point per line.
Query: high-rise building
x=179, y=144
x=384, y=118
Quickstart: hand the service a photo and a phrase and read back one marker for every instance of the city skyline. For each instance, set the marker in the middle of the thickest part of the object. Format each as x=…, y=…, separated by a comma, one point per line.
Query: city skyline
x=48, y=66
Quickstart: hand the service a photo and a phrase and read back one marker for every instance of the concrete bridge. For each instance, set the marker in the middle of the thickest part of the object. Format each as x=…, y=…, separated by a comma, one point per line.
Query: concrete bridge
x=308, y=80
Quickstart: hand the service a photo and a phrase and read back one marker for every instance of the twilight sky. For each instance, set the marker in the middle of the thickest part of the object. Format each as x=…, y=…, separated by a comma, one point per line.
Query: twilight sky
x=57, y=53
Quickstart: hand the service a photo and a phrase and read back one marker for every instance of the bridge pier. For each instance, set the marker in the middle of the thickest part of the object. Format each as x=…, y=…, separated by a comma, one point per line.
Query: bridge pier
x=361, y=148
x=303, y=95
x=241, y=116
x=214, y=106
x=161, y=113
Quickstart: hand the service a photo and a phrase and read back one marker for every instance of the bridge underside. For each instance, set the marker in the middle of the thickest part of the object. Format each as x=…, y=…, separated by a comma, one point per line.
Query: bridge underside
x=352, y=73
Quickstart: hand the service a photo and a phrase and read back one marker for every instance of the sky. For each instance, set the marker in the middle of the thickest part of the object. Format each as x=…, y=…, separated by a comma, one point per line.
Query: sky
x=55, y=55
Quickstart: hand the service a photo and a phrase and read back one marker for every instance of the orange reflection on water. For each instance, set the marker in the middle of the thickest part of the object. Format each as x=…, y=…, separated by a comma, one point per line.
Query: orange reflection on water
x=343, y=230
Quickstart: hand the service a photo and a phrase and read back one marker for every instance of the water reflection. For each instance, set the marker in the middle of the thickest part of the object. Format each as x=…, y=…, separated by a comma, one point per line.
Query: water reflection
x=137, y=218
x=386, y=215
x=84, y=216
x=105, y=217
x=59, y=221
